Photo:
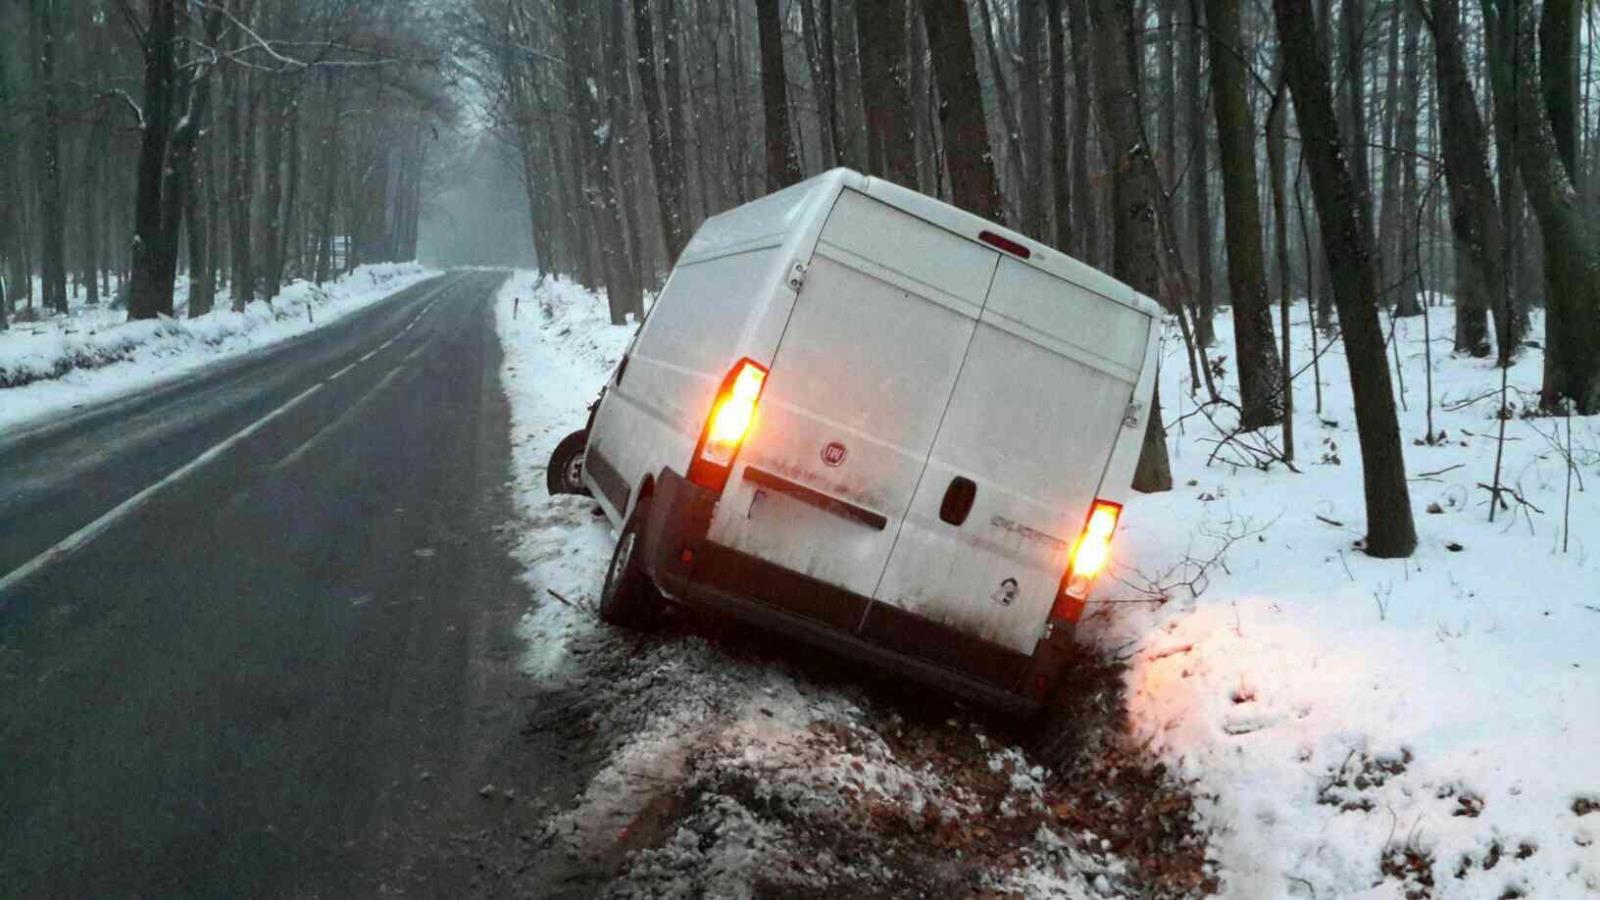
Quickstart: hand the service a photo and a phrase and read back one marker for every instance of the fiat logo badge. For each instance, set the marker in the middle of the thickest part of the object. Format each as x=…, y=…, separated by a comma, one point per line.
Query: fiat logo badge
x=833, y=454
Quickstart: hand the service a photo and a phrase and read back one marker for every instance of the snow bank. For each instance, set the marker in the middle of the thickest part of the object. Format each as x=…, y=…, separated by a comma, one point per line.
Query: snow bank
x=560, y=348
x=94, y=353
x=1368, y=727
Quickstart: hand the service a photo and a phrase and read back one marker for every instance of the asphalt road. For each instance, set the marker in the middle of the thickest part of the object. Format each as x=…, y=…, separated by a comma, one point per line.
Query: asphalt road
x=270, y=653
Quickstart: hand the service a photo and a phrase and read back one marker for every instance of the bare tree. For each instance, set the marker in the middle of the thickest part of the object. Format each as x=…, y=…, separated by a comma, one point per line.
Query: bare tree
x=1134, y=189
x=1348, y=244
x=1572, y=246
x=1474, y=210
x=783, y=162
x=1257, y=358
x=966, y=135
x=52, y=247
x=880, y=32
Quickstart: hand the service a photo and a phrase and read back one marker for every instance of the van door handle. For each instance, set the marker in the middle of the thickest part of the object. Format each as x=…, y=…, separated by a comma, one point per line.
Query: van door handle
x=958, y=498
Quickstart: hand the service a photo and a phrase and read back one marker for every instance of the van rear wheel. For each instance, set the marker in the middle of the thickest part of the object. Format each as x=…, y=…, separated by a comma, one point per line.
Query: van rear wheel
x=564, y=474
x=629, y=598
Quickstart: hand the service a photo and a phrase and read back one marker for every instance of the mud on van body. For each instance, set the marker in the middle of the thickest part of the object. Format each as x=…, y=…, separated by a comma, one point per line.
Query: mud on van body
x=875, y=422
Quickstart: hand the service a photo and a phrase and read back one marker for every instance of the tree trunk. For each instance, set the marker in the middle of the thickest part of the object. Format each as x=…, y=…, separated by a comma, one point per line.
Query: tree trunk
x=1029, y=78
x=1474, y=213
x=241, y=137
x=1257, y=357
x=146, y=298
x=332, y=140
x=817, y=25
x=1199, y=177
x=286, y=237
x=1015, y=170
x=1572, y=254
x=669, y=182
x=1133, y=199
x=783, y=161
x=881, y=34
x=966, y=135
x=1085, y=221
x=10, y=199
x=1060, y=133
x=52, y=212
x=677, y=123
x=599, y=188
x=1558, y=77
x=1404, y=279
x=1390, y=529
x=1389, y=213
x=201, y=287
x=272, y=112
x=92, y=208
x=1352, y=79
x=1277, y=173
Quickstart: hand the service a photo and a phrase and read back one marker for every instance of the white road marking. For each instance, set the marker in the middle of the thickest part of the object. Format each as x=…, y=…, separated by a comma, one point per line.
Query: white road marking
x=75, y=541
x=342, y=418
x=89, y=532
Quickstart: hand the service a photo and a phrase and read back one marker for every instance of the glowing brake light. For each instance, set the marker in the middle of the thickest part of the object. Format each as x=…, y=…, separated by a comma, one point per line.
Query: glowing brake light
x=1094, y=545
x=1090, y=554
x=730, y=418
x=732, y=414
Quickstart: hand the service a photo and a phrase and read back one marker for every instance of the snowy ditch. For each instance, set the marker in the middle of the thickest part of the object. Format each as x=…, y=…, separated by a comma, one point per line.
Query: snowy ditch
x=1285, y=717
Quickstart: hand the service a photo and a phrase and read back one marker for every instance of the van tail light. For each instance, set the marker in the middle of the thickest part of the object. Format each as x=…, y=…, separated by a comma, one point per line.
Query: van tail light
x=1090, y=553
x=732, y=415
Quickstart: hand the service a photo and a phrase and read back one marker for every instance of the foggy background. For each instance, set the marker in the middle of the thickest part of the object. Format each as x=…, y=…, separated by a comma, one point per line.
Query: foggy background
x=477, y=213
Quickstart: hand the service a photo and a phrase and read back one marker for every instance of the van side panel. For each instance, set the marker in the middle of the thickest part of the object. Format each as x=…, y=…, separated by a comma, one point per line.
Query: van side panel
x=652, y=417
x=1118, y=479
x=1032, y=423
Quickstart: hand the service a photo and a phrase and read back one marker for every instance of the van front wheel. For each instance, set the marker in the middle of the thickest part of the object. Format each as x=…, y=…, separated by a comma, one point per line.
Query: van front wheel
x=630, y=598
x=564, y=474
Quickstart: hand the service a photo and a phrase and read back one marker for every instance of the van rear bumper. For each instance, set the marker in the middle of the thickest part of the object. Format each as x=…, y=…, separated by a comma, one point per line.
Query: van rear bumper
x=697, y=572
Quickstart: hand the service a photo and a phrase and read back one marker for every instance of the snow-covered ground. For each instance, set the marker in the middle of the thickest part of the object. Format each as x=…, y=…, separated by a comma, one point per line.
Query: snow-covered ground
x=1344, y=726
x=93, y=353
x=1355, y=721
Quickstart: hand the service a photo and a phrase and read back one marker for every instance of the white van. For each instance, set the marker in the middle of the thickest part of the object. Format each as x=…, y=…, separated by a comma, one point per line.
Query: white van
x=872, y=421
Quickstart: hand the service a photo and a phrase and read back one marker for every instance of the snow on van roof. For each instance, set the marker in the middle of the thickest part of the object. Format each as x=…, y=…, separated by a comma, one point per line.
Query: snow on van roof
x=767, y=222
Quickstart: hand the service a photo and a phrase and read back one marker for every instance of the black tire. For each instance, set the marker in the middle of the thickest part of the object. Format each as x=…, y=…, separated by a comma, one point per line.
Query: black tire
x=564, y=474
x=629, y=598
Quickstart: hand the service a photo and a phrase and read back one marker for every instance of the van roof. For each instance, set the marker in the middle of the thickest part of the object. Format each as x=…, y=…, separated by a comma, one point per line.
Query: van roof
x=761, y=222
x=1041, y=256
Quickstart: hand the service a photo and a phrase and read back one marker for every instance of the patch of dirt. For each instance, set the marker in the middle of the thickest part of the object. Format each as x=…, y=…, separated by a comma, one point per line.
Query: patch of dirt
x=737, y=769
x=1350, y=785
x=1412, y=867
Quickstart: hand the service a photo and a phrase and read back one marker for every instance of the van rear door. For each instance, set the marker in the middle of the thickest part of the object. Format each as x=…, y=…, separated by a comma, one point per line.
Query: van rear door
x=852, y=403
x=1037, y=409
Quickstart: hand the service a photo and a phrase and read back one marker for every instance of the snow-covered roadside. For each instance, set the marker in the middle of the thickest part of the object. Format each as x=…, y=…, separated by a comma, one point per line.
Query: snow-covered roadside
x=1420, y=727
x=725, y=775
x=560, y=347
x=94, y=353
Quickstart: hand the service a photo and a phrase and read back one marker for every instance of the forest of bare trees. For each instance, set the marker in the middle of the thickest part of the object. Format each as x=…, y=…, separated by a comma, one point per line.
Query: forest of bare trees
x=240, y=142
x=1360, y=157
x=1343, y=160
